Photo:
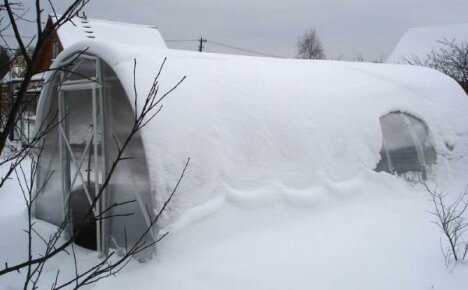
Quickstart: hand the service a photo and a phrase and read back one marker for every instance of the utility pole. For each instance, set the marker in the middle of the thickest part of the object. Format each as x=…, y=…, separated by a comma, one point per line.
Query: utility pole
x=201, y=44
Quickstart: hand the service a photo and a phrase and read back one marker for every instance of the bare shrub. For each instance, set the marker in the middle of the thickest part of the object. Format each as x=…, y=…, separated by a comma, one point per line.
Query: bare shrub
x=450, y=217
x=451, y=59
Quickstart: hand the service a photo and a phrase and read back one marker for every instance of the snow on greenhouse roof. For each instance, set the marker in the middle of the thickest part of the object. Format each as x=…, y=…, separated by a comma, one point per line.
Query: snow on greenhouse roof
x=420, y=41
x=251, y=122
x=80, y=29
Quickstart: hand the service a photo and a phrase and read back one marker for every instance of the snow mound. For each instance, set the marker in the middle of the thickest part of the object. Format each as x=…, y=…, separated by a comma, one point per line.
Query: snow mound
x=108, y=31
x=281, y=192
x=249, y=123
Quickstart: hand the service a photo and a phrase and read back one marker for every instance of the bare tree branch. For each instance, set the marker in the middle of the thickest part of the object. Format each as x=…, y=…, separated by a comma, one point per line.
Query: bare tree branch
x=107, y=266
x=451, y=59
x=451, y=220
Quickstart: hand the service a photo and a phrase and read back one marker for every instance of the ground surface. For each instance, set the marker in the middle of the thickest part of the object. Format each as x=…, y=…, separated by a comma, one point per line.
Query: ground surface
x=375, y=234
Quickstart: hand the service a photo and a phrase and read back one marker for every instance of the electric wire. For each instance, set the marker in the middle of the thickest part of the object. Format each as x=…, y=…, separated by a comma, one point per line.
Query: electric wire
x=242, y=49
x=226, y=46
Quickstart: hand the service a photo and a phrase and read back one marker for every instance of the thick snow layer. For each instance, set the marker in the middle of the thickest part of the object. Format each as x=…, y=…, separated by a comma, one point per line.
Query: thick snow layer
x=419, y=42
x=372, y=232
x=109, y=31
x=250, y=122
x=376, y=242
x=281, y=192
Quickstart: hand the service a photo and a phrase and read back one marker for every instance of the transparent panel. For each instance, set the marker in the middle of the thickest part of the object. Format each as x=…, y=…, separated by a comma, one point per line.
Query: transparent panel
x=130, y=181
x=406, y=145
x=49, y=202
x=395, y=127
x=421, y=133
x=82, y=68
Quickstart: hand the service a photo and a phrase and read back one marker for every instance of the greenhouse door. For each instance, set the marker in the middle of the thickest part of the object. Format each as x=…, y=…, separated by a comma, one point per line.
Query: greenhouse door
x=82, y=152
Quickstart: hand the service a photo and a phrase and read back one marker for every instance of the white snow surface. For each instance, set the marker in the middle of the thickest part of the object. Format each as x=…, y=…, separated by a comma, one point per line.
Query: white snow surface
x=371, y=232
x=418, y=42
x=249, y=122
x=280, y=192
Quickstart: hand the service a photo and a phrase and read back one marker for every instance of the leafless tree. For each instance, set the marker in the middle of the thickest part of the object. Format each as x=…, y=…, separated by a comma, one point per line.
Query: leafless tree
x=451, y=59
x=360, y=58
x=309, y=46
x=450, y=217
x=15, y=14
x=58, y=242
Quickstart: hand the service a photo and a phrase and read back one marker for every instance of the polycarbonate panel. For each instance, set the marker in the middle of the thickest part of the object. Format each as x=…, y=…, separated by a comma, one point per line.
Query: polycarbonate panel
x=406, y=145
x=396, y=134
x=422, y=135
x=49, y=202
x=81, y=69
x=130, y=181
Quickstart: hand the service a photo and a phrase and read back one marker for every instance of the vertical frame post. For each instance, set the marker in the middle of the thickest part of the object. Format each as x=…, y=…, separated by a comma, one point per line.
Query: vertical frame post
x=63, y=126
x=102, y=162
x=96, y=171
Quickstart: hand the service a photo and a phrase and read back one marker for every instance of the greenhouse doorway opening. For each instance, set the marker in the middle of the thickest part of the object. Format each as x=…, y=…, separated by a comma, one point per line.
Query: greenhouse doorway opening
x=83, y=160
x=84, y=223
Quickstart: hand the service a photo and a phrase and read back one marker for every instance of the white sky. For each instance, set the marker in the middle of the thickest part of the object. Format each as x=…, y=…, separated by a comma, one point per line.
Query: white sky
x=370, y=28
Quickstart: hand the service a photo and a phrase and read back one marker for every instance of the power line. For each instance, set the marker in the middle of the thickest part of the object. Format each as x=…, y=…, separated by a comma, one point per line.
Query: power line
x=22, y=36
x=181, y=40
x=243, y=49
x=202, y=40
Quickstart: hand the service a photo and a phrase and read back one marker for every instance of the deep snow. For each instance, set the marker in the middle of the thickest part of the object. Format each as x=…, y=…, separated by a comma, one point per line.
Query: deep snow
x=371, y=232
x=280, y=193
x=249, y=123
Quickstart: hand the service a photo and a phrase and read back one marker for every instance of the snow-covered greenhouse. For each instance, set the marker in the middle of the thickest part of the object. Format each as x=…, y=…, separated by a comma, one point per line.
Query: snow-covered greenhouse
x=245, y=122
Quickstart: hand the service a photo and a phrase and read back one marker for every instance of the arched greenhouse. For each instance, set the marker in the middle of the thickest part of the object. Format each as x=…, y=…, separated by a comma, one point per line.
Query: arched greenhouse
x=245, y=122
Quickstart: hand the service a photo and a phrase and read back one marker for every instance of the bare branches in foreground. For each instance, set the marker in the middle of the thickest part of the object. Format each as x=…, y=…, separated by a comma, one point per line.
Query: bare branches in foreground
x=450, y=217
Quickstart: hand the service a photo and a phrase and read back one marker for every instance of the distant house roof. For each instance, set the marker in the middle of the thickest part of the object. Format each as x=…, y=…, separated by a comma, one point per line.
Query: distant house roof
x=420, y=41
x=108, y=31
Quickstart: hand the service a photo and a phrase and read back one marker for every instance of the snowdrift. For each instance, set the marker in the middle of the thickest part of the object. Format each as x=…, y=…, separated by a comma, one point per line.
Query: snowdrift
x=250, y=123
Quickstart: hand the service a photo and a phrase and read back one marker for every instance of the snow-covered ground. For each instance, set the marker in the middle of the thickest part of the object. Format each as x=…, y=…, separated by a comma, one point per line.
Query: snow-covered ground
x=372, y=231
x=280, y=193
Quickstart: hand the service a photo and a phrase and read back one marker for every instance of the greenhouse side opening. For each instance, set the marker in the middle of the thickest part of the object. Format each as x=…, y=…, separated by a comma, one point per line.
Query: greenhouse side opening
x=406, y=145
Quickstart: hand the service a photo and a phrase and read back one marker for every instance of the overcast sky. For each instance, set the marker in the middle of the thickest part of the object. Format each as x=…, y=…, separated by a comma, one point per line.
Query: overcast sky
x=370, y=28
